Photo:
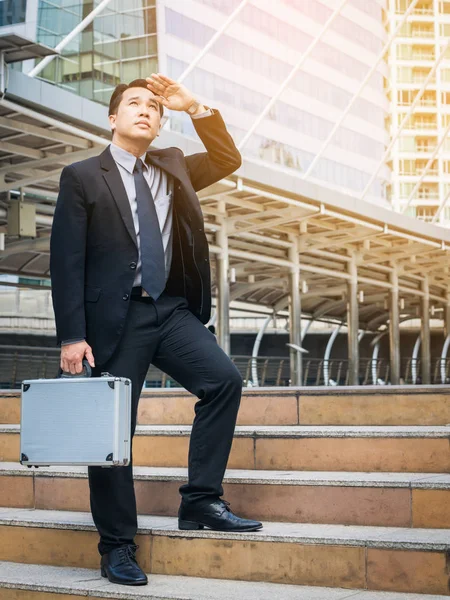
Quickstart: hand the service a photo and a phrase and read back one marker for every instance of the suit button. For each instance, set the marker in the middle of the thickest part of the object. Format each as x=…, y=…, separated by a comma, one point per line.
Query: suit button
x=125, y=297
x=206, y=260
x=200, y=229
x=133, y=265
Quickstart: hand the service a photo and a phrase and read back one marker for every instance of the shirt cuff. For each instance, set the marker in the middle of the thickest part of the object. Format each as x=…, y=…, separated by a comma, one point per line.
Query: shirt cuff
x=67, y=342
x=207, y=113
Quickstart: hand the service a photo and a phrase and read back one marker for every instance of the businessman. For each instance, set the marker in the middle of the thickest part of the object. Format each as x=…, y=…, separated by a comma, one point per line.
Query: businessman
x=131, y=286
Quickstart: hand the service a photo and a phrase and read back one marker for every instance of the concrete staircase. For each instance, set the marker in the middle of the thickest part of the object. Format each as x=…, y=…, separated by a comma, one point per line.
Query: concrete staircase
x=353, y=486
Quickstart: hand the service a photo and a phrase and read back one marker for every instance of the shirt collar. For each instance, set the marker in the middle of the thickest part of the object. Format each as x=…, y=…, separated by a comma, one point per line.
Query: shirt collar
x=125, y=159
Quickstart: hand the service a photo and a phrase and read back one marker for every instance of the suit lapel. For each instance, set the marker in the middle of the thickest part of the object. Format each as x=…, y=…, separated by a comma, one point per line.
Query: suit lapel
x=170, y=165
x=160, y=159
x=189, y=205
x=117, y=189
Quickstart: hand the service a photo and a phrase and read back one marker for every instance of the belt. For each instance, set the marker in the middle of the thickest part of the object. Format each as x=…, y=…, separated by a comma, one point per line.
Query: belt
x=139, y=292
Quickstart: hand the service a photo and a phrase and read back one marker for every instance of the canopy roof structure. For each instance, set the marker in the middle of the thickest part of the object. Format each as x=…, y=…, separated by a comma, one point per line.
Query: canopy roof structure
x=280, y=241
x=263, y=210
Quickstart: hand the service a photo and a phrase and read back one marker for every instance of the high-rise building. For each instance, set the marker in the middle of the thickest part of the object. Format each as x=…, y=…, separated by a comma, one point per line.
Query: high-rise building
x=242, y=71
x=417, y=190
x=249, y=62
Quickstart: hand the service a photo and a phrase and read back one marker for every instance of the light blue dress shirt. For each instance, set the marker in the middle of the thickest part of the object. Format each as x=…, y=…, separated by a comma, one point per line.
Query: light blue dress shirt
x=161, y=186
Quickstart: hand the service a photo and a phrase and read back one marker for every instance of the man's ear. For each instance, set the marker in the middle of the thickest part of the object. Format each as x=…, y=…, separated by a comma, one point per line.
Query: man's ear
x=112, y=122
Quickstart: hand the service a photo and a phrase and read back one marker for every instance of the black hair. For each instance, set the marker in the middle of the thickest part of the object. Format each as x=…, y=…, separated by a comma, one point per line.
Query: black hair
x=117, y=94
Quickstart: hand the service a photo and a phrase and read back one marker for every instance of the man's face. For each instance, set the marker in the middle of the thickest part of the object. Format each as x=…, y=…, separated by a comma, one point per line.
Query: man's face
x=137, y=115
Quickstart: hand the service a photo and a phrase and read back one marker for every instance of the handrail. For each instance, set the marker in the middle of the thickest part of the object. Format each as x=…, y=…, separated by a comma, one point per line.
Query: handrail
x=32, y=362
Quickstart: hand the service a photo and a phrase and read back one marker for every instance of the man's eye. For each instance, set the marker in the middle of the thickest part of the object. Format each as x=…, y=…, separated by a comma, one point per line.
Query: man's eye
x=133, y=102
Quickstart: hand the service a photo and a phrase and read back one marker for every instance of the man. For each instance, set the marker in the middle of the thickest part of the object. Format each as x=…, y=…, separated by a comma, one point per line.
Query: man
x=131, y=286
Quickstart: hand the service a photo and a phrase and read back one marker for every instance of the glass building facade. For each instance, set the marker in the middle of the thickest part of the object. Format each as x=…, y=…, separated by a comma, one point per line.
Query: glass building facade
x=12, y=12
x=242, y=71
x=119, y=45
x=249, y=62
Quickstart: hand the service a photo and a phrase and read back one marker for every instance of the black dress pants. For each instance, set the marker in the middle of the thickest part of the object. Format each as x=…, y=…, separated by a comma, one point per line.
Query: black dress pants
x=166, y=334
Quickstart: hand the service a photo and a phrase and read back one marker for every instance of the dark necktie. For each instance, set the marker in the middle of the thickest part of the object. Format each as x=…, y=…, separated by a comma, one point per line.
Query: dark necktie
x=152, y=249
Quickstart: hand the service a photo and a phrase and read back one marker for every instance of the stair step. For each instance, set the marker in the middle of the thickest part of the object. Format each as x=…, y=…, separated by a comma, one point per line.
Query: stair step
x=423, y=449
x=362, y=405
x=384, y=499
x=70, y=582
x=376, y=558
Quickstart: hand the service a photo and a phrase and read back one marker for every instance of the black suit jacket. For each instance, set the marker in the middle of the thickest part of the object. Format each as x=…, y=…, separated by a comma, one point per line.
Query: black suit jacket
x=93, y=248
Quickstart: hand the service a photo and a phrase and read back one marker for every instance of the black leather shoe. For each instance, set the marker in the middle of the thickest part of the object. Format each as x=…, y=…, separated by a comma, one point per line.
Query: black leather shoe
x=120, y=566
x=215, y=515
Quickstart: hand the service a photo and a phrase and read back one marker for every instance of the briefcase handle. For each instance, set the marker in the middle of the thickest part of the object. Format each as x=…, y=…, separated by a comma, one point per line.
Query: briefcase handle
x=86, y=372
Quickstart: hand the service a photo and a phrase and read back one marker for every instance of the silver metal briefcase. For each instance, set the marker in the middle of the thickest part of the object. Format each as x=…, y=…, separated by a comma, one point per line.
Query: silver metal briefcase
x=76, y=421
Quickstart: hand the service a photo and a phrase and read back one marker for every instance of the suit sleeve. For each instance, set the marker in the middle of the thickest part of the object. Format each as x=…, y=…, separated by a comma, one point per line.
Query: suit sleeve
x=67, y=257
x=221, y=157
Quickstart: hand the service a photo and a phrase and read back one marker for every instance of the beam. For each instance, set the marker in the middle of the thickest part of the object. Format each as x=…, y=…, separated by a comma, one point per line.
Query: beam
x=271, y=224
x=43, y=132
x=274, y=212
x=52, y=121
x=4, y=187
x=63, y=159
x=21, y=150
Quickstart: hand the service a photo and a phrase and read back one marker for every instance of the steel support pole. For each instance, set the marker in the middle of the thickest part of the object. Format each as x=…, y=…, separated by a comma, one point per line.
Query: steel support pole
x=446, y=341
x=353, y=322
x=447, y=316
x=223, y=285
x=425, y=348
x=394, y=328
x=414, y=359
x=295, y=334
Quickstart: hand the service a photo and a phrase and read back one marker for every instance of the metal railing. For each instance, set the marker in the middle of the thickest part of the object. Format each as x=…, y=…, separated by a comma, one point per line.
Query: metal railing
x=31, y=362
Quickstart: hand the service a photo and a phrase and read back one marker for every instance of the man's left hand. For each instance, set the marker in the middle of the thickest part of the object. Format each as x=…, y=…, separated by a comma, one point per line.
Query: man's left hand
x=169, y=93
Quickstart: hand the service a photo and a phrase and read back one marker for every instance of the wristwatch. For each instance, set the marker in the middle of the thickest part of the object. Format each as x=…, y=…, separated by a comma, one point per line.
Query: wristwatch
x=192, y=109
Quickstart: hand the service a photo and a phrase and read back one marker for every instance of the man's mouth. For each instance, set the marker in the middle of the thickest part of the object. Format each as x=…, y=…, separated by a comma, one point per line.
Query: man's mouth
x=143, y=123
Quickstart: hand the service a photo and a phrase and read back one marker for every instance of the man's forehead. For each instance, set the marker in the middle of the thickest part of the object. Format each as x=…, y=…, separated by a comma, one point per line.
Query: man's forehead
x=138, y=92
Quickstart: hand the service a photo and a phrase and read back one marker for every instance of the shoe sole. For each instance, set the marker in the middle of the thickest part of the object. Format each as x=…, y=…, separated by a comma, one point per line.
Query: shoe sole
x=194, y=526
x=103, y=574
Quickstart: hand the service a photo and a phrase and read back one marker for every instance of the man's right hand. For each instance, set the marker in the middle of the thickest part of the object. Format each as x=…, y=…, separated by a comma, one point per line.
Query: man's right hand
x=72, y=356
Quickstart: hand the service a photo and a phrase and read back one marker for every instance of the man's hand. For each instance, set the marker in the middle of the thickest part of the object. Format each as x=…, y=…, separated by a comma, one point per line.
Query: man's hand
x=72, y=356
x=171, y=94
